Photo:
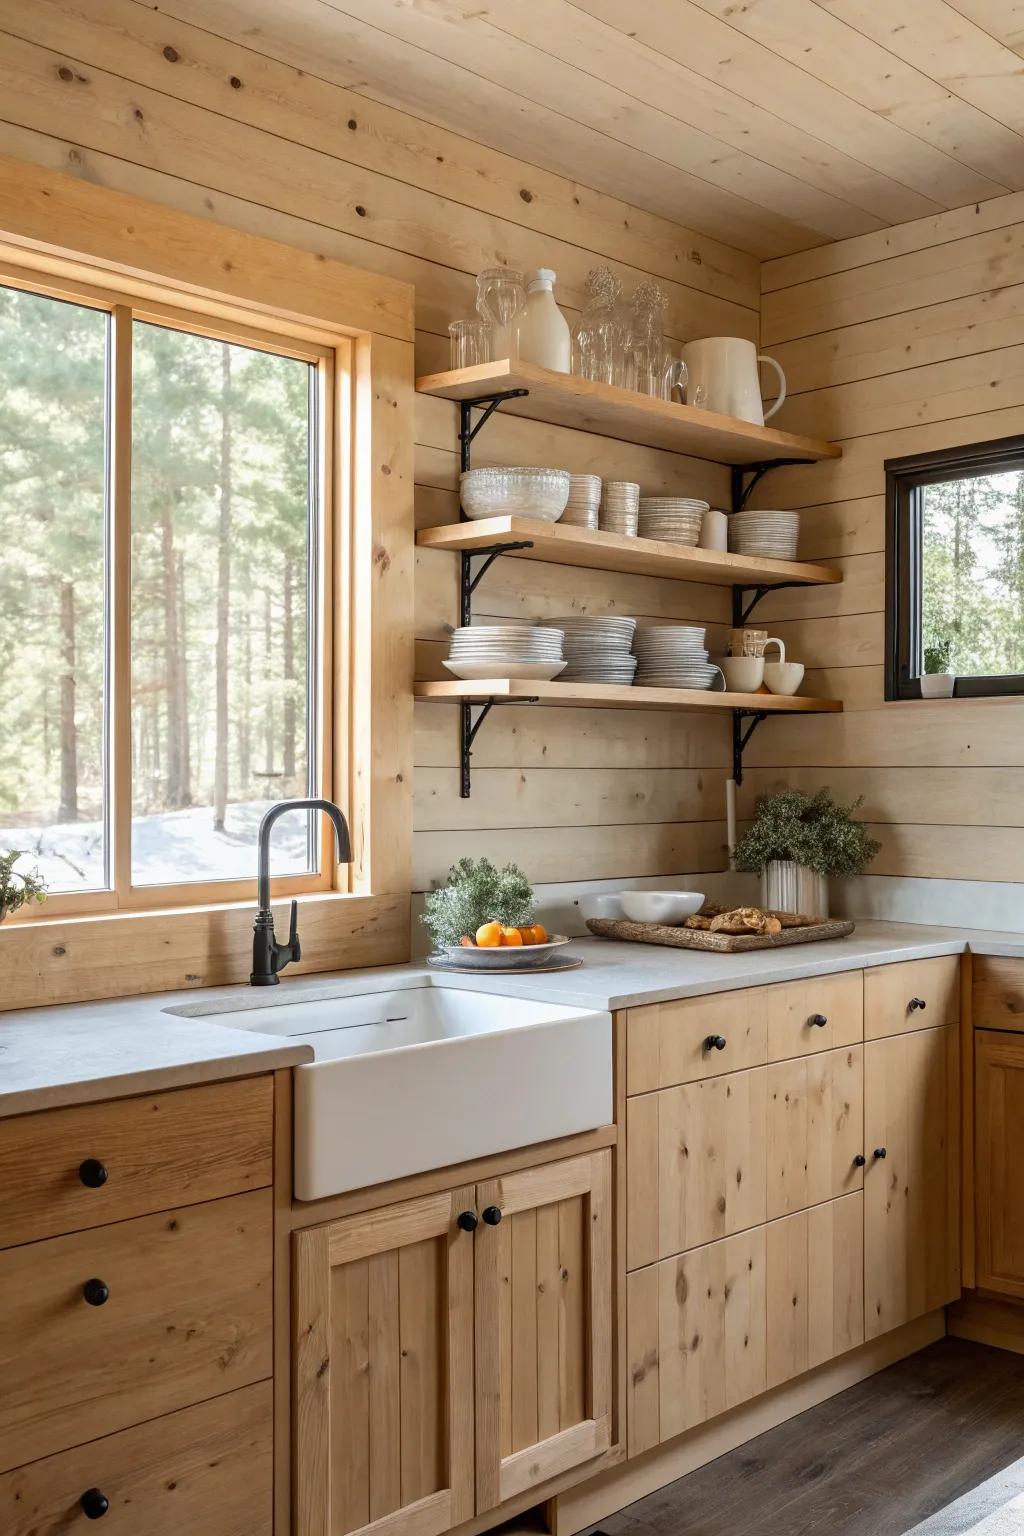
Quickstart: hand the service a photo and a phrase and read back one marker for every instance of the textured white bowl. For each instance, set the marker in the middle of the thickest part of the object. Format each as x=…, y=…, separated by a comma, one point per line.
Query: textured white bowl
x=520, y=492
x=601, y=904
x=660, y=906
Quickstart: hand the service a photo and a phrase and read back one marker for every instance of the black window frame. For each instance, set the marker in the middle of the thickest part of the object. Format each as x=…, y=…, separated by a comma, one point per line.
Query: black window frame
x=904, y=480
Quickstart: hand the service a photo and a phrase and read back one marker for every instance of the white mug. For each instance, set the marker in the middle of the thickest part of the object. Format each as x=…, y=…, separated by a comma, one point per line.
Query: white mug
x=722, y=373
x=714, y=530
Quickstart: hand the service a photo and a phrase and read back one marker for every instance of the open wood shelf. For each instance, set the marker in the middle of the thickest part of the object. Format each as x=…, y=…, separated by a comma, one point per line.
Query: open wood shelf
x=569, y=401
x=563, y=544
x=615, y=696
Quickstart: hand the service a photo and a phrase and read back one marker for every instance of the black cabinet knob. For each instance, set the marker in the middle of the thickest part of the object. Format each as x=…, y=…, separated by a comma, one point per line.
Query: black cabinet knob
x=492, y=1215
x=715, y=1043
x=818, y=1020
x=879, y=1153
x=92, y=1173
x=916, y=1003
x=94, y=1504
x=96, y=1293
x=466, y=1221
x=859, y=1160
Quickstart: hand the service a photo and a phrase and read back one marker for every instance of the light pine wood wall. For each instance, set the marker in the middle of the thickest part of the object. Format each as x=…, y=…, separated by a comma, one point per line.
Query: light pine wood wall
x=157, y=103
x=894, y=343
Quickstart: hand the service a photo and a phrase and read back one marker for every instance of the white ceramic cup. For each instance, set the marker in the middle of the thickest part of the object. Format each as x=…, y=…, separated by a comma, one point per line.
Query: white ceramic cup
x=782, y=676
x=743, y=674
x=714, y=530
x=723, y=377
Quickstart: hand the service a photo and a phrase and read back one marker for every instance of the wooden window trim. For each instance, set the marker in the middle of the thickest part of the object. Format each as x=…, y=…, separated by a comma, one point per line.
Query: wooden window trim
x=59, y=232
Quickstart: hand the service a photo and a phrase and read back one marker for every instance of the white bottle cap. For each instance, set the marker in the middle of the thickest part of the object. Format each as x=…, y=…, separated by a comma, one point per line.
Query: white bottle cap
x=543, y=277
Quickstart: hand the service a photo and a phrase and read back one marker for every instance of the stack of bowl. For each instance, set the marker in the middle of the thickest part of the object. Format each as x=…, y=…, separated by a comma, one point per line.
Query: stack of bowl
x=583, y=506
x=673, y=657
x=506, y=651
x=620, y=505
x=673, y=519
x=771, y=535
x=597, y=650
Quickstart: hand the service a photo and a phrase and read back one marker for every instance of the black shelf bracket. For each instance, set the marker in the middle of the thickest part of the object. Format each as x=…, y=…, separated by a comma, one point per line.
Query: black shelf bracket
x=469, y=728
x=469, y=579
x=741, y=487
x=468, y=429
x=741, y=737
x=743, y=607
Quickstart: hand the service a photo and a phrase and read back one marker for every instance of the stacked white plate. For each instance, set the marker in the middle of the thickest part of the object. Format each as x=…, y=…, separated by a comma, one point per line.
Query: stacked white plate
x=597, y=650
x=620, y=502
x=506, y=651
x=673, y=657
x=773, y=535
x=581, y=510
x=673, y=519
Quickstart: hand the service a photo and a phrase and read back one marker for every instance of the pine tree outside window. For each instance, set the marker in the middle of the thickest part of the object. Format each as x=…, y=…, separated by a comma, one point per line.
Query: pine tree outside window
x=955, y=569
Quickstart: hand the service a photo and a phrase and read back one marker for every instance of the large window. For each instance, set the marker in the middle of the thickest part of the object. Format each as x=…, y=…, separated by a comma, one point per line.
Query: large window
x=163, y=480
x=955, y=569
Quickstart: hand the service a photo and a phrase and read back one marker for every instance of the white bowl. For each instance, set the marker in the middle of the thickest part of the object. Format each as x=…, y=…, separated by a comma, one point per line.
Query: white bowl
x=604, y=904
x=507, y=671
x=522, y=492
x=660, y=906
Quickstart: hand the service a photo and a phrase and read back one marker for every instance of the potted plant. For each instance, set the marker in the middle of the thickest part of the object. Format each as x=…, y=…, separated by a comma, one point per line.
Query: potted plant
x=797, y=841
x=477, y=893
x=16, y=889
x=937, y=681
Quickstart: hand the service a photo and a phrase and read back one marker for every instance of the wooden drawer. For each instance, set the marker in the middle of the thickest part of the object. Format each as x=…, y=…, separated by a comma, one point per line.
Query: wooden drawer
x=206, y=1470
x=695, y=1164
x=164, y=1150
x=891, y=993
x=796, y=1009
x=998, y=992
x=815, y=1123
x=814, y=1287
x=695, y=1337
x=188, y=1315
x=666, y=1043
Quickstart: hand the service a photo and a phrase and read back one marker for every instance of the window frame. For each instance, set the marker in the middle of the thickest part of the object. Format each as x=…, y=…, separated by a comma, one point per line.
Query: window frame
x=330, y=531
x=904, y=479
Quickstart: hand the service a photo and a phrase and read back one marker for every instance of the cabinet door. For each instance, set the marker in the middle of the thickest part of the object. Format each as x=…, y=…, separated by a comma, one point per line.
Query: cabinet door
x=383, y=1371
x=912, y=1193
x=815, y=1287
x=815, y=1129
x=999, y=1157
x=543, y=1324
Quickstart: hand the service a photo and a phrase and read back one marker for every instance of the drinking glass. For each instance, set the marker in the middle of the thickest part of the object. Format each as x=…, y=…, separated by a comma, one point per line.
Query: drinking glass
x=501, y=299
x=470, y=342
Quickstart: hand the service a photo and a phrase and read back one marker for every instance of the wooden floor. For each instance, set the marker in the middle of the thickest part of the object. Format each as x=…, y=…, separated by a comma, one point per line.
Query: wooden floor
x=871, y=1462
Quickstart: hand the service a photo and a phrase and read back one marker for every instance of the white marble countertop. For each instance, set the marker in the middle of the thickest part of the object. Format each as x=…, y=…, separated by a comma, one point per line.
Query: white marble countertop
x=109, y=1049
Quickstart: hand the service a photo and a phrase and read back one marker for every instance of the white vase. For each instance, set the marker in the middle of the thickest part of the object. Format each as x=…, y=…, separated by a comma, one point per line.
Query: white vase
x=790, y=887
x=938, y=685
x=544, y=336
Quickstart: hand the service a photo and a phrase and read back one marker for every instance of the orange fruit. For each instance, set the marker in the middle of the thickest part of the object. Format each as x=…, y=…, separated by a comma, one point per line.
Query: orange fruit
x=488, y=935
x=511, y=937
x=466, y=942
x=534, y=933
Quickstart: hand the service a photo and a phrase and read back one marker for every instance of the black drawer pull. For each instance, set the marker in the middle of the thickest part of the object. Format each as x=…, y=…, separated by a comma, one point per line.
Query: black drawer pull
x=94, y=1504
x=859, y=1160
x=715, y=1043
x=466, y=1221
x=492, y=1215
x=93, y=1175
x=96, y=1293
x=916, y=1003
x=879, y=1153
x=819, y=1020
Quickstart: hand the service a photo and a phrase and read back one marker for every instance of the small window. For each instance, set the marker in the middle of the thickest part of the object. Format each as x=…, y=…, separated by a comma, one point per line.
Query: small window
x=955, y=569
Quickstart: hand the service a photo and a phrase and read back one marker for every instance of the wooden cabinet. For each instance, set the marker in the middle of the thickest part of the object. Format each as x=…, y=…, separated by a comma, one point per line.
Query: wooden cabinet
x=911, y=1182
x=668, y=1043
x=997, y=992
x=915, y=994
x=396, y=1430
x=815, y=1129
x=814, y=1287
x=815, y=1015
x=999, y=1160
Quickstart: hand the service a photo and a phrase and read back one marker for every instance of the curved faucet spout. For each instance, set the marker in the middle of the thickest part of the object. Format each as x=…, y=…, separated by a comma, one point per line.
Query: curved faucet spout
x=269, y=956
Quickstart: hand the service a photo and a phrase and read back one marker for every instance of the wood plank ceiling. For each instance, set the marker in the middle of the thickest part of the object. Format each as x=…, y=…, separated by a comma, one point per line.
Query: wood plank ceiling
x=773, y=125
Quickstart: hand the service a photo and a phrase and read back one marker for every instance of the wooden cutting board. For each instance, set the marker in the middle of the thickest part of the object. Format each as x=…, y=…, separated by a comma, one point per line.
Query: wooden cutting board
x=719, y=943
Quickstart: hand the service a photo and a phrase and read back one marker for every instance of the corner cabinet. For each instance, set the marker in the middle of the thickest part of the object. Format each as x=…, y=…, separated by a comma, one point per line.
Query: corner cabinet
x=453, y=1351
x=999, y=1154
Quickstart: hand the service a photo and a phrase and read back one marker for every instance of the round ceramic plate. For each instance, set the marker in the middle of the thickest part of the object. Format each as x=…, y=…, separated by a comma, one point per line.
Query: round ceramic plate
x=499, y=958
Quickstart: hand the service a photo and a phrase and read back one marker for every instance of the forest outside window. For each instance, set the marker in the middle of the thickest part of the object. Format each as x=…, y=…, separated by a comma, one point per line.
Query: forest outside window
x=955, y=569
x=163, y=585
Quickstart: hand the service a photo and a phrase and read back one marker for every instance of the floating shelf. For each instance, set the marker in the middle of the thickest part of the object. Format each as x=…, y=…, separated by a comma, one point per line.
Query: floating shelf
x=613, y=696
x=569, y=401
x=563, y=544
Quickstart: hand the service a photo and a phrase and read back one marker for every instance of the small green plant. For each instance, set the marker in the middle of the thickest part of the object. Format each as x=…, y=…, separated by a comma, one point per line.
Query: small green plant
x=15, y=888
x=812, y=830
x=477, y=893
x=937, y=657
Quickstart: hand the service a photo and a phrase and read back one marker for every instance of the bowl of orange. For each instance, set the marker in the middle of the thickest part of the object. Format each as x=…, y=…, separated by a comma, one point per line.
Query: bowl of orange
x=494, y=947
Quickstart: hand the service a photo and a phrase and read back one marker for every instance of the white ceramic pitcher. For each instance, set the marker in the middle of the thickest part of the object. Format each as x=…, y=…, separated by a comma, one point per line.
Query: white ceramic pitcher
x=723, y=377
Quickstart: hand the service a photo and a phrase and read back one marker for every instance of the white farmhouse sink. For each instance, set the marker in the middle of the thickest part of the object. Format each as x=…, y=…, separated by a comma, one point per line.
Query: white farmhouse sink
x=408, y=1079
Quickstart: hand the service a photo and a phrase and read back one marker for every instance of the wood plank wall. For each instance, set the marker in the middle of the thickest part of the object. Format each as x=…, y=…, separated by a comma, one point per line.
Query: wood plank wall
x=897, y=342
x=158, y=103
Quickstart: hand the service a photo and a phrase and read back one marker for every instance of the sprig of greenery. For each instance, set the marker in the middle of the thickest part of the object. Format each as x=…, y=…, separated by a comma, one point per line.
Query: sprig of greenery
x=812, y=830
x=477, y=893
x=17, y=888
x=937, y=656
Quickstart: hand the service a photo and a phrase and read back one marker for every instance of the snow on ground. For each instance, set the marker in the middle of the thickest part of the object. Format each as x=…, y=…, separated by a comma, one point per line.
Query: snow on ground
x=167, y=848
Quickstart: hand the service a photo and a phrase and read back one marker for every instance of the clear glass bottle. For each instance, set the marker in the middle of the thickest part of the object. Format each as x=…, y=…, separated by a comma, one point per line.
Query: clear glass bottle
x=501, y=299
x=543, y=330
x=598, y=337
x=650, y=367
